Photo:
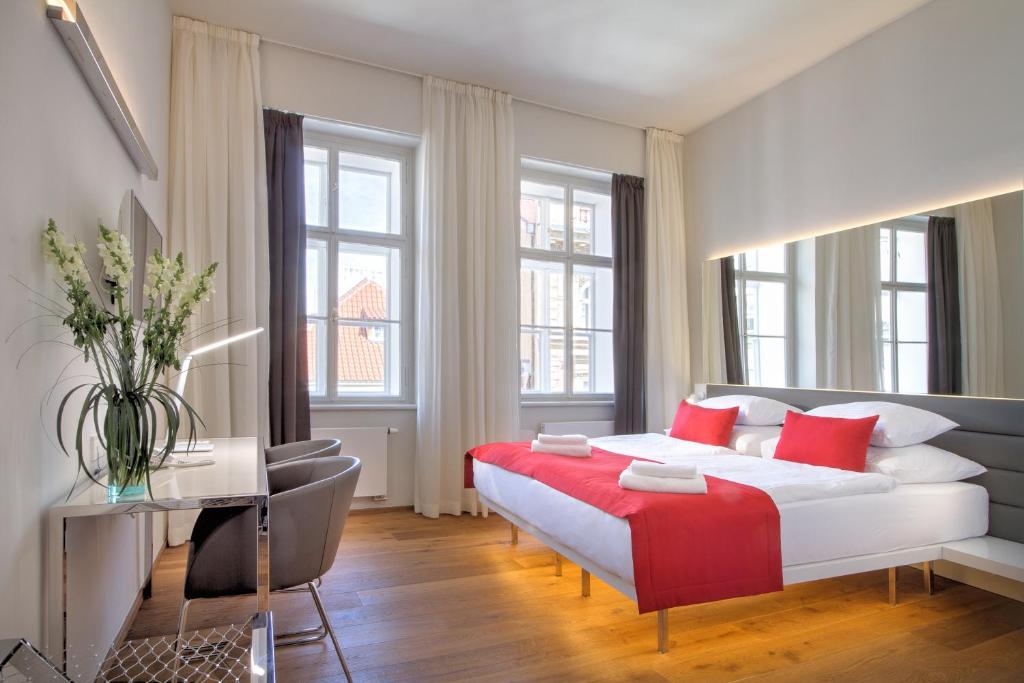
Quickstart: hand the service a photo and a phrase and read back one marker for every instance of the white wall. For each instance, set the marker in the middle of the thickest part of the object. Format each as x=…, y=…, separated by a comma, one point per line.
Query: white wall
x=335, y=89
x=61, y=158
x=927, y=111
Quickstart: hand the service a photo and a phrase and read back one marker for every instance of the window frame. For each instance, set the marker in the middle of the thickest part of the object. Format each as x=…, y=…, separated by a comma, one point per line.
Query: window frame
x=568, y=258
x=743, y=275
x=403, y=242
x=894, y=286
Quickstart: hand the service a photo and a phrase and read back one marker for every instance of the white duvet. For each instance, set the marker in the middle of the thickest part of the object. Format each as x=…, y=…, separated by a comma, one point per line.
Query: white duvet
x=785, y=482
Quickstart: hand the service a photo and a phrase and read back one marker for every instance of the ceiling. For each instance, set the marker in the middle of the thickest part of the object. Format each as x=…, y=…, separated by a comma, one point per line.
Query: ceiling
x=675, y=64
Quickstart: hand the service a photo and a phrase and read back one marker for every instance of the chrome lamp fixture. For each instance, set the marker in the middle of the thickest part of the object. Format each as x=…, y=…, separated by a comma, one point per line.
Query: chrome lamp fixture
x=67, y=18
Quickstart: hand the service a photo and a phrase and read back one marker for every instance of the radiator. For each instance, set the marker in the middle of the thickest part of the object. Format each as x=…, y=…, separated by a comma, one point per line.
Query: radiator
x=370, y=445
x=593, y=429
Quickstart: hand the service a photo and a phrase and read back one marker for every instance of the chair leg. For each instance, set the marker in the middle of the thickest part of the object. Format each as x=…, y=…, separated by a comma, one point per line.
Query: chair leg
x=178, y=641
x=303, y=635
x=585, y=583
x=662, y=631
x=330, y=630
x=892, y=585
x=929, y=577
x=558, y=564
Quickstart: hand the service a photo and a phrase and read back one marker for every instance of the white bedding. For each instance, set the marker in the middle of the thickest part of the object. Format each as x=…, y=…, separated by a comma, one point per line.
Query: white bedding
x=785, y=482
x=825, y=513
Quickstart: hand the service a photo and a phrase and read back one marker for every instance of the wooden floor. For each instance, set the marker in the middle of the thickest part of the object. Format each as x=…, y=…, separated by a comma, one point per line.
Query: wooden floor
x=415, y=599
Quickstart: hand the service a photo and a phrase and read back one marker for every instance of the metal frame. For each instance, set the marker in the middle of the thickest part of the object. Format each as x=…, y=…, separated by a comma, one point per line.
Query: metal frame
x=403, y=241
x=894, y=286
x=568, y=258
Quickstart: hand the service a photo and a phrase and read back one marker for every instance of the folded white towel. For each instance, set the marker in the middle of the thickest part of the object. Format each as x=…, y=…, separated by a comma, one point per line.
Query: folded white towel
x=659, y=469
x=638, y=482
x=575, y=450
x=563, y=439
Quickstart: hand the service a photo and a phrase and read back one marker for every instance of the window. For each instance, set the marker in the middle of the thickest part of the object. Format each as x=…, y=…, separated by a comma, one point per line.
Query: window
x=762, y=297
x=358, y=270
x=904, y=306
x=565, y=287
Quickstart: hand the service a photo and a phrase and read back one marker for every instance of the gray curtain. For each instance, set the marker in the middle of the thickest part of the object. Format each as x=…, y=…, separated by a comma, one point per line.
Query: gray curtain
x=629, y=336
x=731, y=323
x=286, y=219
x=944, y=358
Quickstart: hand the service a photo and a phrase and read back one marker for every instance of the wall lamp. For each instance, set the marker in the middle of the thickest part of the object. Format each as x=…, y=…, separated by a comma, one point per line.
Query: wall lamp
x=70, y=23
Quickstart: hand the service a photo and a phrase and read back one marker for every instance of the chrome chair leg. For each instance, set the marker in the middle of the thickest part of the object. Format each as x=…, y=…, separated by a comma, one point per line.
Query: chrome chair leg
x=330, y=630
x=178, y=641
x=302, y=635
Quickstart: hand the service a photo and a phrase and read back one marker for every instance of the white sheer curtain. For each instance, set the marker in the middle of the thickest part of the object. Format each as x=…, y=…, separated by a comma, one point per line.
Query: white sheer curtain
x=712, y=330
x=668, y=334
x=466, y=371
x=850, y=350
x=218, y=212
x=981, y=322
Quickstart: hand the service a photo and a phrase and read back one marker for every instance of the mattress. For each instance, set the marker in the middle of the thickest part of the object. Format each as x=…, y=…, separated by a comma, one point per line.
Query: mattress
x=829, y=528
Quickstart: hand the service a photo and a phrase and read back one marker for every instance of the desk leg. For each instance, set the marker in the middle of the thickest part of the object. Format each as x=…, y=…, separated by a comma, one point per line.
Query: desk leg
x=263, y=554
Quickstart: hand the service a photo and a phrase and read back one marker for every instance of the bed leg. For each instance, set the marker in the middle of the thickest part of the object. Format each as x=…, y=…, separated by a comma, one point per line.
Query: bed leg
x=514, y=531
x=929, y=577
x=892, y=585
x=662, y=631
x=484, y=510
x=558, y=564
x=585, y=583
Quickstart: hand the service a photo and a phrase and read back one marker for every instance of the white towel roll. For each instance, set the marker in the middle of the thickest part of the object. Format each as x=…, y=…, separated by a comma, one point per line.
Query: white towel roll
x=659, y=469
x=638, y=482
x=575, y=450
x=563, y=439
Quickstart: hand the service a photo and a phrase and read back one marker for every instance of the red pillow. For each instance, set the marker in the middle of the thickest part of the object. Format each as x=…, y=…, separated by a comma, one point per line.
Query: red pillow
x=704, y=425
x=826, y=441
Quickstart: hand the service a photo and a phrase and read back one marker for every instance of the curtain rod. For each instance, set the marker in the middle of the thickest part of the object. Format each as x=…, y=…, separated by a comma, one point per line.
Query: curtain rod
x=421, y=76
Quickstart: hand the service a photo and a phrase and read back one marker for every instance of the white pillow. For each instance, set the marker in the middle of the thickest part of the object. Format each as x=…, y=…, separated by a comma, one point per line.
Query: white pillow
x=898, y=425
x=768, y=447
x=747, y=439
x=754, y=410
x=921, y=464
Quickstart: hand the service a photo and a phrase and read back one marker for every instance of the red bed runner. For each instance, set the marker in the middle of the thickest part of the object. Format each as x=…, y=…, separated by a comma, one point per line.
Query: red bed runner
x=687, y=549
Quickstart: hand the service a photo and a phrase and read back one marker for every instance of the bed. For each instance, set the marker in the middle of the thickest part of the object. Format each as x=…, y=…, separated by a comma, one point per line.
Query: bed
x=827, y=530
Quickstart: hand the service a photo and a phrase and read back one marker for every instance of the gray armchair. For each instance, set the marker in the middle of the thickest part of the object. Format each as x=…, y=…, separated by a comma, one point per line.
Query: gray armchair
x=309, y=504
x=302, y=450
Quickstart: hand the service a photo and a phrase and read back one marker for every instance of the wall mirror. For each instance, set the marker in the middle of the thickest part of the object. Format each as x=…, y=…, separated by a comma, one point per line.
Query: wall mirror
x=928, y=303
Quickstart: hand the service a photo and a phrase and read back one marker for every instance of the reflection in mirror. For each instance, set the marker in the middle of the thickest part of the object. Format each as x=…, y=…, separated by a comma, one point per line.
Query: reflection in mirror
x=929, y=303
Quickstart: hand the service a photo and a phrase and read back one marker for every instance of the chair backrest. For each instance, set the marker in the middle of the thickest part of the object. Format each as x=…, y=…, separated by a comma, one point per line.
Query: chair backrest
x=309, y=505
x=302, y=450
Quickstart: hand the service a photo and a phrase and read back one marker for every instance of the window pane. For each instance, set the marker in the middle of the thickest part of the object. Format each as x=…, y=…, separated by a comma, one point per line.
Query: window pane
x=885, y=251
x=887, y=366
x=369, y=193
x=886, y=315
x=591, y=223
x=766, y=361
x=542, y=216
x=316, y=277
x=317, y=185
x=542, y=293
x=592, y=364
x=592, y=297
x=766, y=308
x=368, y=359
x=767, y=260
x=542, y=361
x=910, y=256
x=369, y=282
x=911, y=317
x=316, y=356
x=913, y=368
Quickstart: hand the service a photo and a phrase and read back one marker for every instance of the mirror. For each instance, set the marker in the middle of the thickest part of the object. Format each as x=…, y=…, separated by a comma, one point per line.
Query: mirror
x=928, y=303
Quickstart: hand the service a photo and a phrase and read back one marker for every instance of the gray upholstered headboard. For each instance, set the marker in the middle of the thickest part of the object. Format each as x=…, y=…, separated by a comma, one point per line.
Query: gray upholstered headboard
x=991, y=432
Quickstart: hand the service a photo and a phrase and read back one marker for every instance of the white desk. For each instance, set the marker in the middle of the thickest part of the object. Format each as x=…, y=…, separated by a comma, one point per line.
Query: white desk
x=238, y=477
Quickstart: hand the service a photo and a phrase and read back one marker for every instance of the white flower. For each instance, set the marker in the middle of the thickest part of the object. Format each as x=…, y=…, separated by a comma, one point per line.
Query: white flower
x=65, y=255
x=159, y=276
x=117, y=257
